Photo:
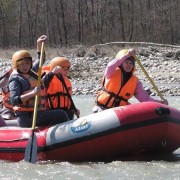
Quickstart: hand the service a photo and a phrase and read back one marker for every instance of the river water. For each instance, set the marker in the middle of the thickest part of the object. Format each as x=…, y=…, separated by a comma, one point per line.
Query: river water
x=161, y=167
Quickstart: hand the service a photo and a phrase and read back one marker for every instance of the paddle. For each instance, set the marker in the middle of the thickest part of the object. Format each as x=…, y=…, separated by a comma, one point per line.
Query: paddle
x=31, y=148
x=64, y=84
x=149, y=78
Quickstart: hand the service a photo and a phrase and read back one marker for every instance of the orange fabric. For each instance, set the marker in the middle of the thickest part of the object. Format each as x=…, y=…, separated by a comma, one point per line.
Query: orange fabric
x=5, y=100
x=45, y=69
x=111, y=91
x=57, y=95
x=29, y=104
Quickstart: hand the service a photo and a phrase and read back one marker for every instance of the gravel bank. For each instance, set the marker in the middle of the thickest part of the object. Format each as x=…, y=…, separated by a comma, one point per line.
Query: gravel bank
x=161, y=64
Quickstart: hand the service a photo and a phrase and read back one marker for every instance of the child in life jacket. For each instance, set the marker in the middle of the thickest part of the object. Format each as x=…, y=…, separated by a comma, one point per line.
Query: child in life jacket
x=6, y=108
x=59, y=88
x=22, y=88
x=120, y=83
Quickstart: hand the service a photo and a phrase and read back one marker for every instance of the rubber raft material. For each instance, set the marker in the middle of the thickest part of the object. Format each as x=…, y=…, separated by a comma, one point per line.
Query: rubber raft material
x=108, y=135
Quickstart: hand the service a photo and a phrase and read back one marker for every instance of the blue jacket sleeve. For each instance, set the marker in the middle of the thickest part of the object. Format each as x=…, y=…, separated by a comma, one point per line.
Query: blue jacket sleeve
x=47, y=79
x=35, y=66
x=15, y=90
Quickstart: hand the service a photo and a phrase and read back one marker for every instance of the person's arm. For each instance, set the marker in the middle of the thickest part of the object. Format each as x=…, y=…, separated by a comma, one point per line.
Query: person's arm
x=47, y=79
x=41, y=39
x=30, y=94
x=112, y=65
x=142, y=95
x=15, y=89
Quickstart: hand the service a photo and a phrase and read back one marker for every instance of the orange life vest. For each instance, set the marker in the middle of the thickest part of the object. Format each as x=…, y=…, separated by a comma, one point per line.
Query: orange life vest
x=57, y=97
x=113, y=94
x=29, y=104
x=45, y=69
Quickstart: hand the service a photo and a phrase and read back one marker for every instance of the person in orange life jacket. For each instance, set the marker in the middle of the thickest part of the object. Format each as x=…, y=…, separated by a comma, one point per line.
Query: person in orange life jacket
x=6, y=109
x=59, y=88
x=22, y=87
x=120, y=83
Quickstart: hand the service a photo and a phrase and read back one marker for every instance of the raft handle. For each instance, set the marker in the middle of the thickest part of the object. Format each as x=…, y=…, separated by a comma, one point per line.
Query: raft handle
x=162, y=111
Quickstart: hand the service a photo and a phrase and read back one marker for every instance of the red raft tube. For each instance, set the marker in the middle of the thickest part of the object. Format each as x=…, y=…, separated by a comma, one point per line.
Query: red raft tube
x=108, y=135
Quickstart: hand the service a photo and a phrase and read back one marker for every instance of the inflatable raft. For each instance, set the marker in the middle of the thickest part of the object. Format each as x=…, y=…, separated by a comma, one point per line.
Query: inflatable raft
x=105, y=136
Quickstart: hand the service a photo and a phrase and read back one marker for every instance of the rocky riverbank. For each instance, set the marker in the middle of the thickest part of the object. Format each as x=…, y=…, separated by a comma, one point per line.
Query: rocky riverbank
x=162, y=64
x=163, y=67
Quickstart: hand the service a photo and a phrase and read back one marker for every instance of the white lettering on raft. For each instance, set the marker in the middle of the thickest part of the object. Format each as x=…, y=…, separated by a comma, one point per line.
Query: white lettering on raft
x=81, y=128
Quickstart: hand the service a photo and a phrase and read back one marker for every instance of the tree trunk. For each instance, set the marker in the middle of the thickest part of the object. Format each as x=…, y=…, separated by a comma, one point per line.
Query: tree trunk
x=4, y=29
x=121, y=21
x=64, y=23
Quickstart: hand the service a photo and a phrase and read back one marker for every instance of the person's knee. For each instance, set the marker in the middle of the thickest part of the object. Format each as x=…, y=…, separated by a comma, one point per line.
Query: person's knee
x=63, y=116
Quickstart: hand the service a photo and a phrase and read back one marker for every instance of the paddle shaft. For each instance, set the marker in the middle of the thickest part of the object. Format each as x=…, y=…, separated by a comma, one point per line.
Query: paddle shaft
x=149, y=78
x=64, y=84
x=31, y=149
x=38, y=84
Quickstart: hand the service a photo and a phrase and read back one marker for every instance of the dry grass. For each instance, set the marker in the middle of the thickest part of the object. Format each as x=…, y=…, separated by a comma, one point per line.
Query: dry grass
x=108, y=49
x=7, y=53
x=50, y=52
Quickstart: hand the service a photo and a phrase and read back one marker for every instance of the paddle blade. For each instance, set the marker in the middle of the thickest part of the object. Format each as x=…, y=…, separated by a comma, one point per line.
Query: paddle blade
x=31, y=149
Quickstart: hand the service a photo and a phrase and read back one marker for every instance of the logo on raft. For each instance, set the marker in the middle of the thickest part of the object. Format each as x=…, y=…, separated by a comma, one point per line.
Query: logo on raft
x=80, y=127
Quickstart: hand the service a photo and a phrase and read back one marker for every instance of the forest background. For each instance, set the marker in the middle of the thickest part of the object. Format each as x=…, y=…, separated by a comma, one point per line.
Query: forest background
x=79, y=29
x=88, y=22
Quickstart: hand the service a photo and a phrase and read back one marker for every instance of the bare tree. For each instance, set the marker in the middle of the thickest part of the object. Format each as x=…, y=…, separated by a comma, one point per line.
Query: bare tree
x=64, y=22
x=88, y=21
x=121, y=20
x=4, y=35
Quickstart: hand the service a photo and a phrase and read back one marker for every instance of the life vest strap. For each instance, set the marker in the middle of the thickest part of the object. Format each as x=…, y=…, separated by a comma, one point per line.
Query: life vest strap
x=117, y=99
x=57, y=95
x=114, y=95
